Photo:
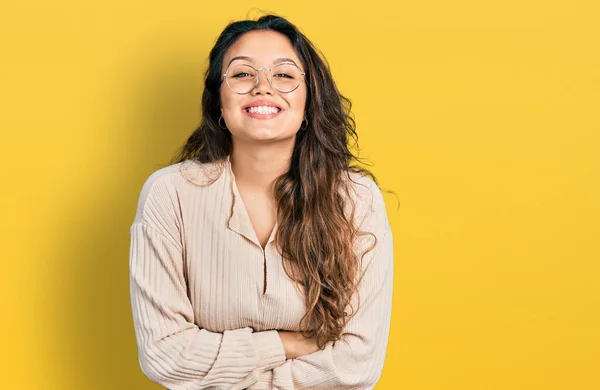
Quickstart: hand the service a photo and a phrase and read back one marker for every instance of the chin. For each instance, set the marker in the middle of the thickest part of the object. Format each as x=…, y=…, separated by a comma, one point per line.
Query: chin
x=263, y=135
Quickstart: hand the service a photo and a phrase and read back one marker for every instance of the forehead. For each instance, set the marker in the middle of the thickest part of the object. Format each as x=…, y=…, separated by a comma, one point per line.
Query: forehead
x=263, y=47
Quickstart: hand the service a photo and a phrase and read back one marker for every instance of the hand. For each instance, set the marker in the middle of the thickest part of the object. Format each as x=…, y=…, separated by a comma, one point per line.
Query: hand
x=295, y=344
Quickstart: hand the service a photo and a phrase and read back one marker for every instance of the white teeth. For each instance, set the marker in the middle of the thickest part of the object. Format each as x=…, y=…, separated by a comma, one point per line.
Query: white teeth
x=263, y=110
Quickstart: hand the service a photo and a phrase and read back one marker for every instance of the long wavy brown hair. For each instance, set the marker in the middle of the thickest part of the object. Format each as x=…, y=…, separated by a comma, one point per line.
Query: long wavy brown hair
x=316, y=232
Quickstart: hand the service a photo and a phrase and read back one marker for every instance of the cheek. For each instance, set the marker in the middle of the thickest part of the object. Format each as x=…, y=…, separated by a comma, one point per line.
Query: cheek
x=297, y=102
x=223, y=97
x=228, y=101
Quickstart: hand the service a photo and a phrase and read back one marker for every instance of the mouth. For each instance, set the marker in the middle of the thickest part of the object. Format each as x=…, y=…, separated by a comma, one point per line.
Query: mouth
x=262, y=112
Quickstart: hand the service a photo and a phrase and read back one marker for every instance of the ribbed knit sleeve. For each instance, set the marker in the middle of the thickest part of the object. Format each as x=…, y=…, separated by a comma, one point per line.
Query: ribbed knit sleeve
x=172, y=350
x=356, y=361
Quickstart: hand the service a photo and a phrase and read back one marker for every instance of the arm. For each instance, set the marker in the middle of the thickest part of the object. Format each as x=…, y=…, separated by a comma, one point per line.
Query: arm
x=172, y=350
x=355, y=361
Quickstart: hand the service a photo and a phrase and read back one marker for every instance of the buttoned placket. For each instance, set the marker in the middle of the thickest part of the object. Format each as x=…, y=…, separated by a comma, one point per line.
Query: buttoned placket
x=240, y=223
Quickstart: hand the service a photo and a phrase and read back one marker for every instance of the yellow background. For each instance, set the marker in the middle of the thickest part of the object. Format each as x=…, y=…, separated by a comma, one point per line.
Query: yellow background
x=482, y=116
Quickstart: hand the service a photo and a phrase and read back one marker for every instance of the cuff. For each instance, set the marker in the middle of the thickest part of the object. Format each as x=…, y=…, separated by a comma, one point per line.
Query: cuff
x=269, y=349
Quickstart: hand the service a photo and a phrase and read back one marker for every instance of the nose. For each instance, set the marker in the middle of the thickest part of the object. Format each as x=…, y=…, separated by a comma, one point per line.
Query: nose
x=263, y=85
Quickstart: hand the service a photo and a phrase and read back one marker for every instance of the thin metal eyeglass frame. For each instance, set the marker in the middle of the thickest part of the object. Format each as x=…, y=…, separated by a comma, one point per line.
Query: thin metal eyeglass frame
x=269, y=78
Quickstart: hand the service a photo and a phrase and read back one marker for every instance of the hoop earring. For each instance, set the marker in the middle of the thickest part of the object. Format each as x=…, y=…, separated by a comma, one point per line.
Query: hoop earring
x=304, y=125
x=224, y=124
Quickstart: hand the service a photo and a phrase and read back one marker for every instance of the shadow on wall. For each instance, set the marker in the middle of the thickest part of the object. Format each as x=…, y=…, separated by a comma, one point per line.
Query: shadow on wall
x=155, y=113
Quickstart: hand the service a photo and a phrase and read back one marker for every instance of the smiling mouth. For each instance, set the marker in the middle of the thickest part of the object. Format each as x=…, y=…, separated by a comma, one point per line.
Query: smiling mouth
x=263, y=110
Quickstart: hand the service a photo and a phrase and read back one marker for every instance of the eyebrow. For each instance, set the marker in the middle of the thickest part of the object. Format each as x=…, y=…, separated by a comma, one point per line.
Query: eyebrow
x=250, y=59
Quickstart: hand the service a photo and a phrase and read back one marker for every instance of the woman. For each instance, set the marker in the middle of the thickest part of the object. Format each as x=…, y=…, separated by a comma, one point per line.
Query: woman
x=260, y=258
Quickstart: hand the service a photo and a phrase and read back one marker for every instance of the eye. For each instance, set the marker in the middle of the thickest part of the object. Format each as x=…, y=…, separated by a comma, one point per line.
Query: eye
x=241, y=74
x=286, y=72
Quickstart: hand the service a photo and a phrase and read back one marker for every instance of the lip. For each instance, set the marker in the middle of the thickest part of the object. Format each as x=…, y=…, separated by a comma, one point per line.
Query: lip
x=258, y=103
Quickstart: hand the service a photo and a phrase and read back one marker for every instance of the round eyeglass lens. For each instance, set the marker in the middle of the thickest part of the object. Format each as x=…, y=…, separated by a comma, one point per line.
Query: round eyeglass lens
x=241, y=78
x=286, y=77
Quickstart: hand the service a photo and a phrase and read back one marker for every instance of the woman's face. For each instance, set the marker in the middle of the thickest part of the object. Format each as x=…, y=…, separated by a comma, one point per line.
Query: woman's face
x=262, y=49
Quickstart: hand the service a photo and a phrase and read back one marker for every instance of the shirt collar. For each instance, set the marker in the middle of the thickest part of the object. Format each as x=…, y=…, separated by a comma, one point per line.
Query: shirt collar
x=205, y=174
x=239, y=220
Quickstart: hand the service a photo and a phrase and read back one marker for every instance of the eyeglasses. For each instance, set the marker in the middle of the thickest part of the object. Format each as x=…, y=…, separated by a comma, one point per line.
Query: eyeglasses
x=243, y=78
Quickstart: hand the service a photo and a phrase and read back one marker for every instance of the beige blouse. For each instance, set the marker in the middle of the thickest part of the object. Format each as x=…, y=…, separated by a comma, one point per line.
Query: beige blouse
x=207, y=299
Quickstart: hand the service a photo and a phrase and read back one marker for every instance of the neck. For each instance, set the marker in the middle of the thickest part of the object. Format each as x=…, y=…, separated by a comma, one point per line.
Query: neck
x=257, y=167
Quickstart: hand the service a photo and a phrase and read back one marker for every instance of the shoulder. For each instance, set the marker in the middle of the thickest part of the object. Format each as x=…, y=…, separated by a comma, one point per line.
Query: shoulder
x=202, y=173
x=162, y=189
x=156, y=189
x=364, y=191
x=367, y=198
x=364, y=188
